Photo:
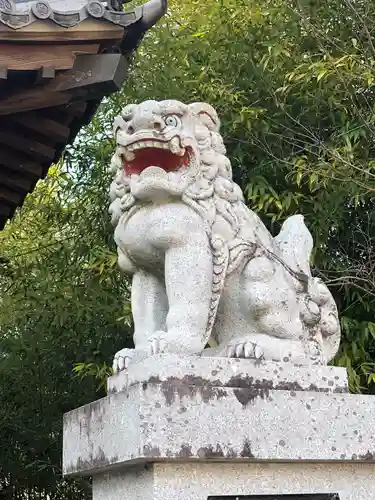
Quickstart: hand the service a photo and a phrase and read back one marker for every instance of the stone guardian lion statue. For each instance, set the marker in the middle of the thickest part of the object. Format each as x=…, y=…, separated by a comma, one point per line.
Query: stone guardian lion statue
x=205, y=268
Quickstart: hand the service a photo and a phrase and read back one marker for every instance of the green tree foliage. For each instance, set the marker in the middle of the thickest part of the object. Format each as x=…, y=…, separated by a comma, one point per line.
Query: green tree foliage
x=293, y=83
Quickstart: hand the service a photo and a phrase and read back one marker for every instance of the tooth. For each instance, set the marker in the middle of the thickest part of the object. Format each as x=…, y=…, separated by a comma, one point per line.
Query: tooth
x=129, y=155
x=137, y=145
x=130, y=147
x=181, y=152
x=174, y=145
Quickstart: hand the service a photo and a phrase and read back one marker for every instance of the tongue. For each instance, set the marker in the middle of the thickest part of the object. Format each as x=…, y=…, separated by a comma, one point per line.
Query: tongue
x=153, y=172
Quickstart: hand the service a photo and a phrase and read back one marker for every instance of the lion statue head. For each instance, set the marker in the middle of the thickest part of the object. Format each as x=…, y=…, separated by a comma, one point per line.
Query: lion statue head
x=168, y=150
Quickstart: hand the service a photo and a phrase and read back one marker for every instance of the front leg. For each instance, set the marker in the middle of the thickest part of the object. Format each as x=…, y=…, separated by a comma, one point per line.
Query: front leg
x=149, y=308
x=188, y=279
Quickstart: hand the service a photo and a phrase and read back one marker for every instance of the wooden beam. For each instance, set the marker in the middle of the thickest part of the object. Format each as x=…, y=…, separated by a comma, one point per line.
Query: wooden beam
x=100, y=74
x=36, y=98
x=42, y=31
x=17, y=162
x=92, y=77
x=76, y=110
x=15, y=182
x=34, y=121
x=45, y=73
x=23, y=56
x=5, y=211
x=29, y=147
x=65, y=114
x=10, y=196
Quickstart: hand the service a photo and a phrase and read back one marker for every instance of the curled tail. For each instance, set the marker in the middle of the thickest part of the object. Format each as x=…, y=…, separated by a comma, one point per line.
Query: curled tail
x=318, y=309
x=295, y=244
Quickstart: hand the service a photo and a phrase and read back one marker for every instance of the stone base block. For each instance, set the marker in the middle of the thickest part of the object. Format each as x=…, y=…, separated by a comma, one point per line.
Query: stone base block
x=202, y=481
x=228, y=372
x=220, y=410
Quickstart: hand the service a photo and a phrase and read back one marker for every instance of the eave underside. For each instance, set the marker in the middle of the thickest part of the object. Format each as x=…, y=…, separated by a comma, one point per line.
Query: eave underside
x=48, y=91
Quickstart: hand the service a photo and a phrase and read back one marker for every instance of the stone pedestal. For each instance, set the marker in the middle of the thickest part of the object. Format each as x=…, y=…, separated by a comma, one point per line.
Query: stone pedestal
x=191, y=428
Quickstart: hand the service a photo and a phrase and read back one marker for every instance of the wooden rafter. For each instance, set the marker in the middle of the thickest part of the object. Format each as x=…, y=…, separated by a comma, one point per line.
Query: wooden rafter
x=54, y=73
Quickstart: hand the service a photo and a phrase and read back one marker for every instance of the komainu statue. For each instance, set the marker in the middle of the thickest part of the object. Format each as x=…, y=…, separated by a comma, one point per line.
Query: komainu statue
x=205, y=269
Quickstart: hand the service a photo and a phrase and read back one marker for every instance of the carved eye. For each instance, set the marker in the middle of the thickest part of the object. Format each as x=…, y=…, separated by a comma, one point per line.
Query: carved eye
x=172, y=121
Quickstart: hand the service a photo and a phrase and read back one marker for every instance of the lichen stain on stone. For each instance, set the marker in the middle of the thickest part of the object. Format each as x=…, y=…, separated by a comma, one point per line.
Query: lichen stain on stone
x=94, y=462
x=231, y=453
x=258, y=389
x=185, y=451
x=246, y=396
x=210, y=452
x=368, y=457
x=188, y=386
x=96, y=408
x=247, y=382
x=151, y=451
x=246, y=450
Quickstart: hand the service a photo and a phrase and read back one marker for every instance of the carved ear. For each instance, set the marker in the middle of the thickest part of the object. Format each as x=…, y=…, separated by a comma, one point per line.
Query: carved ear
x=206, y=114
x=118, y=124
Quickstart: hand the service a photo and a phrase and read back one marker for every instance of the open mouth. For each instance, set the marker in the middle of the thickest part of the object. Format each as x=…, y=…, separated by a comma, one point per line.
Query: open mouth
x=169, y=156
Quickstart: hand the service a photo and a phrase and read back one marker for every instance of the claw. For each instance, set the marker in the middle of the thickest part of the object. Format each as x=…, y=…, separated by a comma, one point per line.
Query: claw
x=249, y=349
x=231, y=351
x=239, y=350
x=122, y=360
x=162, y=345
x=258, y=352
x=154, y=346
x=158, y=344
x=245, y=349
x=121, y=364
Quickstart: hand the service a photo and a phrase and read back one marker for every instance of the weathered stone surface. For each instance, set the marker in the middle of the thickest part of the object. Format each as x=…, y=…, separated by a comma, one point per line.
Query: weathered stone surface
x=175, y=419
x=203, y=264
x=200, y=481
x=230, y=372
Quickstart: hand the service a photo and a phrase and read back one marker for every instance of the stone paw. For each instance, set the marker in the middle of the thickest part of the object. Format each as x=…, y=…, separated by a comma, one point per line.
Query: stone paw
x=157, y=344
x=122, y=360
x=245, y=349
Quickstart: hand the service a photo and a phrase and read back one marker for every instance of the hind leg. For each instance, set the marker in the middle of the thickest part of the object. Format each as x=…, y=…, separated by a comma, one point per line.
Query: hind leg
x=265, y=300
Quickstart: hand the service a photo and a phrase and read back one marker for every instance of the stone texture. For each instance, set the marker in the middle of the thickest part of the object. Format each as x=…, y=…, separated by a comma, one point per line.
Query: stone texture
x=198, y=481
x=230, y=372
x=180, y=417
x=204, y=265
